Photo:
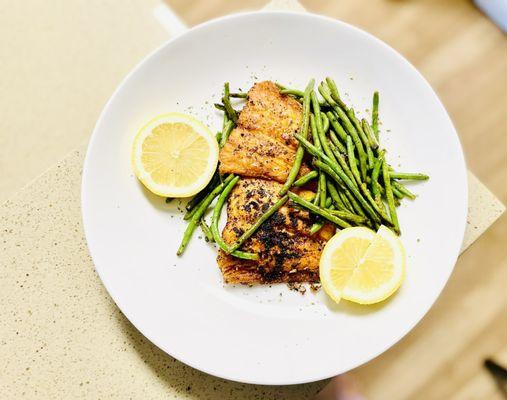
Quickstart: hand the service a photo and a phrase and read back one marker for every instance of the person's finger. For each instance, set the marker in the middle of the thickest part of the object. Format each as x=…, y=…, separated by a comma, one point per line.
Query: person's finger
x=341, y=387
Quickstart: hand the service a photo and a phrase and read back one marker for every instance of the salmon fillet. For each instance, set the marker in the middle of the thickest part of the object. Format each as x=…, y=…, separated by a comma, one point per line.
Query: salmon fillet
x=287, y=251
x=263, y=144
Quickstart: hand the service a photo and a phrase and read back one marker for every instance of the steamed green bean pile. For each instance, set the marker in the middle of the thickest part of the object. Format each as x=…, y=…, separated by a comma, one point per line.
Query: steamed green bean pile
x=354, y=184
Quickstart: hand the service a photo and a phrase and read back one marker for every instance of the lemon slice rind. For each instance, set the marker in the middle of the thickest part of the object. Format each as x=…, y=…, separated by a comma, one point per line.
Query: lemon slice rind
x=394, y=270
x=353, y=242
x=168, y=189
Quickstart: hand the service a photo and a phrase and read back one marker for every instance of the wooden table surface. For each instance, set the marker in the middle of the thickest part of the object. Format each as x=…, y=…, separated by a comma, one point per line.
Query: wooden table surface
x=464, y=57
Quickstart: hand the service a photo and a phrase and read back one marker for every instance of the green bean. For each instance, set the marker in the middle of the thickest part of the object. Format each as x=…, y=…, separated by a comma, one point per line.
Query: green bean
x=380, y=210
x=320, y=131
x=231, y=113
x=317, y=226
x=397, y=201
x=326, y=94
x=298, y=159
x=336, y=126
x=396, y=192
x=348, y=216
x=374, y=208
x=218, y=136
x=199, y=212
x=364, y=190
x=402, y=189
x=224, y=120
x=196, y=200
x=316, y=199
x=374, y=115
x=313, y=150
x=293, y=92
x=352, y=160
x=315, y=133
x=341, y=160
x=190, y=213
x=346, y=202
x=408, y=176
x=362, y=135
x=229, y=126
x=325, y=122
x=296, y=93
x=371, y=159
x=356, y=207
x=375, y=187
x=206, y=230
x=338, y=175
x=345, y=166
x=369, y=134
x=216, y=217
x=379, y=201
x=389, y=196
x=250, y=231
x=335, y=196
x=336, y=142
x=323, y=190
x=306, y=178
x=359, y=129
x=316, y=108
x=316, y=141
x=239, y=95
x=340, y=182
x=355, y=137
x=318, y=210
x=219, y=106
x=334, y=93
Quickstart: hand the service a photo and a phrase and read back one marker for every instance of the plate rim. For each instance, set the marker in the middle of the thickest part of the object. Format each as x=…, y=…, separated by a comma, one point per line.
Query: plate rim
x=408, y=328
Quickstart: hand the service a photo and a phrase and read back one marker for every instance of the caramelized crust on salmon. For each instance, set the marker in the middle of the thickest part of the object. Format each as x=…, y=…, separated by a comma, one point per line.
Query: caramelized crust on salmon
x=263, y=143
x=287, y=251
x=257, y=155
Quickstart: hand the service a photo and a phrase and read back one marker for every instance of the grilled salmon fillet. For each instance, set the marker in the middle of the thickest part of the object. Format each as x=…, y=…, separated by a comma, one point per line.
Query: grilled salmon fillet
x=287, y=251
x=263, y=144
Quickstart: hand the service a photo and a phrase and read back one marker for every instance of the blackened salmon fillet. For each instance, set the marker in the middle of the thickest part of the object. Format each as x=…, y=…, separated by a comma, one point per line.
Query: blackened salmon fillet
x=287, y=251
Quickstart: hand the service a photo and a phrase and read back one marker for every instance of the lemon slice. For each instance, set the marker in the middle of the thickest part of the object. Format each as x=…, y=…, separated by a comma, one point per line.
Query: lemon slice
x=380, y=272
x=341, y=256
x=174, y=155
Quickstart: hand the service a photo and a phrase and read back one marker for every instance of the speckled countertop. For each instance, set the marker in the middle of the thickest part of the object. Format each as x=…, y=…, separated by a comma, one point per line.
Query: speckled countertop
x=61, y=335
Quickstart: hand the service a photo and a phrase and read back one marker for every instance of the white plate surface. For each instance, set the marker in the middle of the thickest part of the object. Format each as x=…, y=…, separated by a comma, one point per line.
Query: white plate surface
x=267, y=335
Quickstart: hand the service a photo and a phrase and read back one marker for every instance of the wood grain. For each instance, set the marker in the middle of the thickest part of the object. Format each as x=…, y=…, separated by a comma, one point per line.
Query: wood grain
x=464, y=57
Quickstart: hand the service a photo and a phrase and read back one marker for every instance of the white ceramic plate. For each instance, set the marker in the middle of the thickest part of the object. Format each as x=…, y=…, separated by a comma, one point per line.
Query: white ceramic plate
x=267, y=335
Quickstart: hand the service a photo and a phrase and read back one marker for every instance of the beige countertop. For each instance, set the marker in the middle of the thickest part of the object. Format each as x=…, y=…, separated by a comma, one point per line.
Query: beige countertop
x=63, y=337
x=63, y=61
